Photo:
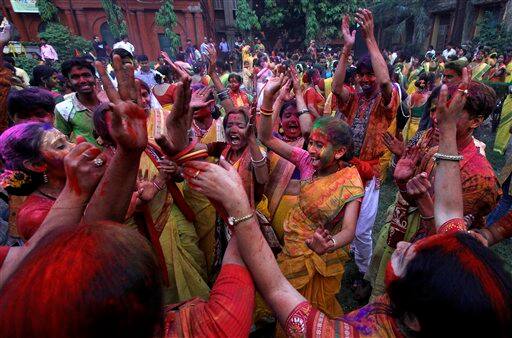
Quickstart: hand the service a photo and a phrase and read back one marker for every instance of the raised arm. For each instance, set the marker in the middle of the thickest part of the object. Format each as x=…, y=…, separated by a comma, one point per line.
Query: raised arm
x=364, y=18
x=177, y=124
x=338, y=82
x=448, y=202
x=224, y=98
x=280, y=147
x=259, y=162
x=224, y=185
x=306, y=122
x=128, y=129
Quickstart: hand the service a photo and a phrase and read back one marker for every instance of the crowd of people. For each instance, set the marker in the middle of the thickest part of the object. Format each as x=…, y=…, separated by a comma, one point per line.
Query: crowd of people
x=227, y=189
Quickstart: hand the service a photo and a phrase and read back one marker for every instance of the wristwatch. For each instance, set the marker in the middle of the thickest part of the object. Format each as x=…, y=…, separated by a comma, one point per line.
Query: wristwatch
x=234, y=221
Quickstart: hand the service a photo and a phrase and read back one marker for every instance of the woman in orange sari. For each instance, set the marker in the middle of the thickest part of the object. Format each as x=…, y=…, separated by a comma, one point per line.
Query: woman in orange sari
x=315, y=102
x=239, y=97
x=283, y=186
x=324, y=219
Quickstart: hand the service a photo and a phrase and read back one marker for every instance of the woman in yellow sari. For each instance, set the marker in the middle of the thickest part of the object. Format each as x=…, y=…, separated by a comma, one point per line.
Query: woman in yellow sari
x=161, y=214
x=416, y=103
x=479, y=67
x=324, y=219
x=503, y=132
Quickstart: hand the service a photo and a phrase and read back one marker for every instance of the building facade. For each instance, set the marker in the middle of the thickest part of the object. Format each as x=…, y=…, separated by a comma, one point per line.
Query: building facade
x=438, y=23
x=87, y=18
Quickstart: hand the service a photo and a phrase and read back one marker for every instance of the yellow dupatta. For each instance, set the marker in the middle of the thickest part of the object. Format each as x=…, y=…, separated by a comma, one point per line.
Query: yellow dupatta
x=503, y=132
x=321, y=200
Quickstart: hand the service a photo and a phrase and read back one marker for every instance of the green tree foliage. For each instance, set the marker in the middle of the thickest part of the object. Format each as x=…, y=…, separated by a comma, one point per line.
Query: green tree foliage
x=166, y=18
x=64, y=42
x=115, y=18
x=246, y=18
x=300, y=19
x=26, y=62
x=47, y=10
x=492, y=33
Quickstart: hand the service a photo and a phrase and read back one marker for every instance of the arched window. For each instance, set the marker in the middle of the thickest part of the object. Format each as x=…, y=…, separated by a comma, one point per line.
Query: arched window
x=42, y=27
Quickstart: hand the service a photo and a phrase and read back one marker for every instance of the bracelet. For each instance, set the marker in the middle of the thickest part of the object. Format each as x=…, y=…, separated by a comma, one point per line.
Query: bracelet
x=303, y=111
x=191, y=146
x=426, y=218
x=157, y=186
x=259, y=163
x=444, y=157
x=223, y=95
x=266, y=112
x=195, y=155
x=232, y=221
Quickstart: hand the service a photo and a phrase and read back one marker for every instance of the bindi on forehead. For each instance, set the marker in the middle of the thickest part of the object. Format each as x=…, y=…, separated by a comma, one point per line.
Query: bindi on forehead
x=236, y=118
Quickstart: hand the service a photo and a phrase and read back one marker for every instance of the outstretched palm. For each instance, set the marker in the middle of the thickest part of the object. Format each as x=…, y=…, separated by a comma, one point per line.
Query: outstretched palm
x=349, y=38
x=407, y=165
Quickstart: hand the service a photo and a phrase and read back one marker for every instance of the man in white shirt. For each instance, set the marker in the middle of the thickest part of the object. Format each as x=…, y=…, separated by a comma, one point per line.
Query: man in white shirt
x=224, y=49
x=145, y=73
x=125, y=44
x=449, y=51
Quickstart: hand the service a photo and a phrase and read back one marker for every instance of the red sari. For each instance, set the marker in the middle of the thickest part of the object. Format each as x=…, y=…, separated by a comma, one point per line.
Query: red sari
x=32, y=214
x=228, y=313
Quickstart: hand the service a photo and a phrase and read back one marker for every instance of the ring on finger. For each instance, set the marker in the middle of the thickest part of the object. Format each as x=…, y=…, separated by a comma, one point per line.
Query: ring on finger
x=98, y=162
x=197, y=174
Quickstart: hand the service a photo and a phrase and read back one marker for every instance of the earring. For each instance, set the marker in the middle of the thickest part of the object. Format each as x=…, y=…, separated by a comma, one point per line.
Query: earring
x=45, y=177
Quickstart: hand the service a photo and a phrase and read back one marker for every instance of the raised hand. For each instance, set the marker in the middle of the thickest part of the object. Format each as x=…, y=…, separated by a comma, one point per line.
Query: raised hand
x=166, y=57
x=418, y=186
x=250, y=130
x=285, y=91
x=406, y=165
x=349, y=38
x=295, y=81
x=364, y=18
x=321, y=242
x=127, y=117
x=394, y=145
x=84, y=166
x=5, y=32
x=212, y=58
x=200, y=97
x=274, y=84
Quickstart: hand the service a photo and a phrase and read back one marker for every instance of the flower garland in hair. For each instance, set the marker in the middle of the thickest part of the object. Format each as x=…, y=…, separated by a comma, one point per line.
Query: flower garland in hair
x=14, y=179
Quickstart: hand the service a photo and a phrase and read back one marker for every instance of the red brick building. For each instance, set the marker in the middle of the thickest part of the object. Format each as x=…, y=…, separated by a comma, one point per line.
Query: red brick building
x=87, y=18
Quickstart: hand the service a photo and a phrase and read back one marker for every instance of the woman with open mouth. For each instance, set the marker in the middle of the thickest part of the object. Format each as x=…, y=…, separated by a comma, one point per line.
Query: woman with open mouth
x=324, y=219
x=283, y=186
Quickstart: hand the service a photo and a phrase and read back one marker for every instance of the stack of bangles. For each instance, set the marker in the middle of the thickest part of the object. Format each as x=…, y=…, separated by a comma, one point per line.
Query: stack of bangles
x=188, y=154
x=223, y=95
x=266, y=112
x=259, y=163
